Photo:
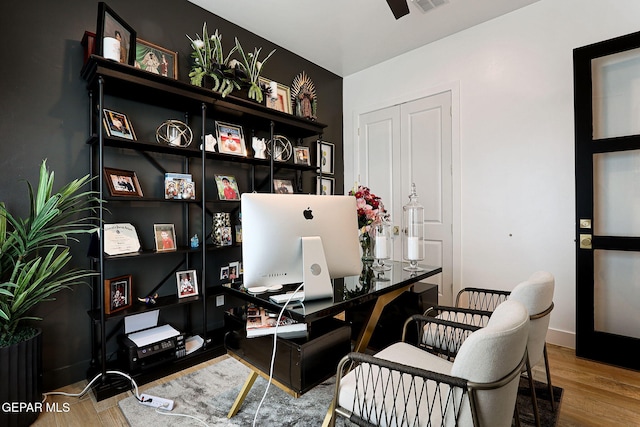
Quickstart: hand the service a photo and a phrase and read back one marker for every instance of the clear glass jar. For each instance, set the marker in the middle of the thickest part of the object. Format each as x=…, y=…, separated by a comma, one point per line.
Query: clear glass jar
x=413, y=232
x=381, y=235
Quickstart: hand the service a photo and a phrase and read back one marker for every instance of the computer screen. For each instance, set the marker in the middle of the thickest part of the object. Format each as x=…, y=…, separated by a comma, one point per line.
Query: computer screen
x=276, y=227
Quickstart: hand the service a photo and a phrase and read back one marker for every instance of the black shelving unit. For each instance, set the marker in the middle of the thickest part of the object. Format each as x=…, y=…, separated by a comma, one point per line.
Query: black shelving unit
x=108, y=80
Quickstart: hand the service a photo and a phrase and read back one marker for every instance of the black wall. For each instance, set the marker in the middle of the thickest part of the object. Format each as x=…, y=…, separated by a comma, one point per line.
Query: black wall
x=44, y=114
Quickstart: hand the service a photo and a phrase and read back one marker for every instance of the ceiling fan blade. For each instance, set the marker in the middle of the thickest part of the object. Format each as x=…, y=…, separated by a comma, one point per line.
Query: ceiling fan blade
x=399, y=8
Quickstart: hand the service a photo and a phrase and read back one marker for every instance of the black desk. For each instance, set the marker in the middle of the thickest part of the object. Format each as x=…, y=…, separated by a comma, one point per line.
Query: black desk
x=349, y=292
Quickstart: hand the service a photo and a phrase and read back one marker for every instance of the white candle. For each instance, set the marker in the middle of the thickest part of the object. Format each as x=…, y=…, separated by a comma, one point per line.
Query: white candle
x=413, y=248
x=111, y=48
x=380, y=246
x=274, y=90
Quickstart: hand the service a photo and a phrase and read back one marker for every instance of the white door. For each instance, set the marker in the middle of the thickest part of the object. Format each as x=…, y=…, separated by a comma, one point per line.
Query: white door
x=411, y=143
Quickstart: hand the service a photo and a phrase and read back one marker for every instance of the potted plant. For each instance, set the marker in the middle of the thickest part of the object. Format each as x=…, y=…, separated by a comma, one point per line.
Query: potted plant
x=251, y=66
x=34, y=266
x=210, y=62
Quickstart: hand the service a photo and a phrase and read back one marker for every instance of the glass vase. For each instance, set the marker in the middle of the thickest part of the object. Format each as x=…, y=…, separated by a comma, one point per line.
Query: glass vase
x=366, y=244
x=413, y=232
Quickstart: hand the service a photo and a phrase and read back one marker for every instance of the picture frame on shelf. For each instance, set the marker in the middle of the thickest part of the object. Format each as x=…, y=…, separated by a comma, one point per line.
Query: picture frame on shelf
x=301, y=156
x=156, y=59
x=118, y=125
x=282, y=100
x=187, y=282
x=114, y=29
x=227, y=187
x=325, y=186
x=221, y=229
x=165, y=237
x=230, y=139
x=179, y=186
x=224, y=272
x=325, y=157
x=122, y=182
x=234, y=270
x=283, y=186
x=117, y=294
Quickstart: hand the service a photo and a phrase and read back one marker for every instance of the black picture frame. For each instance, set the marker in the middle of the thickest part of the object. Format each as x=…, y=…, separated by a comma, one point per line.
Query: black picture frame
x=117, y=294
x=108, y=24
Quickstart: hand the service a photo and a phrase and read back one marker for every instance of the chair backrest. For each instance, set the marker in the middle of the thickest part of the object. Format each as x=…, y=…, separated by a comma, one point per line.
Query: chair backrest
x=489, y=355
x=536, y=294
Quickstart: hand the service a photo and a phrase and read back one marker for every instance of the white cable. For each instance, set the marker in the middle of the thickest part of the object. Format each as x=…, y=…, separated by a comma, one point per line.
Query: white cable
x=135, y=386
x=273, y=354
x=181, y=415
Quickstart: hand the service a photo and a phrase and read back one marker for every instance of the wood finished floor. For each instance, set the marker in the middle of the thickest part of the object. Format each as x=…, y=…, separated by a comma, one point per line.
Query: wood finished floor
x=594, y=395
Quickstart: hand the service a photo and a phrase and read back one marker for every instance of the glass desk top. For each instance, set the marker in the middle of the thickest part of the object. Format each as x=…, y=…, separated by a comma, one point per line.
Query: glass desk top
x=347, y=292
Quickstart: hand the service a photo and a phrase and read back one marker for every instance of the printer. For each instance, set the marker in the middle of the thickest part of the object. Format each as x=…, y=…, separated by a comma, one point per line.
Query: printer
x=146, y=345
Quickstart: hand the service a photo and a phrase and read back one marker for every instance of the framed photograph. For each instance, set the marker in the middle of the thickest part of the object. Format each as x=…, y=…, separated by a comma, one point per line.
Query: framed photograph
x=155, y=59
x=227, y=187
x=187, y=283
x=115, y=39
x=179, y=186
x=224, y=273
x=282, y=100
x=165, y=237
x=122, y=182
x=117, y=294
x=117, y=124
x=301, y=156
x=234, y=270
x=325, y=186
x=230, y=139
x=325, y=157
x=221, y=229
x=283, y=186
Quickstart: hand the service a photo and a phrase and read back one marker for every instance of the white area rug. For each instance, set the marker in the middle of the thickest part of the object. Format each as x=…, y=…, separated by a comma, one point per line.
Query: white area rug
x=209, y=393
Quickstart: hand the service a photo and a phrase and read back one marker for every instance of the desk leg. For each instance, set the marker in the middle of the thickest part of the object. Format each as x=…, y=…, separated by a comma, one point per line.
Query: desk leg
x=374, y=317
x=243, y=393
x=328, y=418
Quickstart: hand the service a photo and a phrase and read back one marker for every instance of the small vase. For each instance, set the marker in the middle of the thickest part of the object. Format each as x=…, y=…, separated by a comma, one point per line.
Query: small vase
x=366, y=243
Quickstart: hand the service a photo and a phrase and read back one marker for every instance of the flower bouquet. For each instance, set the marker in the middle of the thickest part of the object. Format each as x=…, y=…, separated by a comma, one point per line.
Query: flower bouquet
x=371, y=212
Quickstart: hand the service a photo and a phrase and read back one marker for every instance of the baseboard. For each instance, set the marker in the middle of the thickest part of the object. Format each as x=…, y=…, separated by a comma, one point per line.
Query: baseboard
x=561, y=338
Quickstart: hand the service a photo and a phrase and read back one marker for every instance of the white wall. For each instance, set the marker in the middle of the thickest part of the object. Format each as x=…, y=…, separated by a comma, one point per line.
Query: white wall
x=514, y=165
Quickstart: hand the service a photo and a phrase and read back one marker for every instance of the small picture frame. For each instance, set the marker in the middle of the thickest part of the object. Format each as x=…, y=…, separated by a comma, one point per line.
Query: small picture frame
x=122, y=182
x=165, y=237
x=227, y=187
x=283, y=186
x=112, y=27
x=282, y=100
x=301, y=156
x=325, y=157
x=118, y=125
x=234, y=270
x=325, y=186
x=156, y=59
x=230, y=139
x=117, y=294
x=224, y=272
x=179, y=186
x=187, y=282
x=221, y=229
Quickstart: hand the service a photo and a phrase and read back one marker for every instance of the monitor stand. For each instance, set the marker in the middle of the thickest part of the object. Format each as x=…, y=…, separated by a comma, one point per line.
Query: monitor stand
x=315, y=273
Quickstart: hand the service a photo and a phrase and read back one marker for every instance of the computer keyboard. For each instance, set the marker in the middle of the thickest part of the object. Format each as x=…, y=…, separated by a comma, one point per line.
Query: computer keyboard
x=283, y=298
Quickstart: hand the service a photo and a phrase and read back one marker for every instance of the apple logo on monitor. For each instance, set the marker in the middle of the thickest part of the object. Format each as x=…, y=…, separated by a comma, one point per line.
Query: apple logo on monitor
x=308, y=213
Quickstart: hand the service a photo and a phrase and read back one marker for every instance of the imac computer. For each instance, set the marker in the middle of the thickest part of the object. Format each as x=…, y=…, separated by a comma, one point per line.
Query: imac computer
x=298, y=238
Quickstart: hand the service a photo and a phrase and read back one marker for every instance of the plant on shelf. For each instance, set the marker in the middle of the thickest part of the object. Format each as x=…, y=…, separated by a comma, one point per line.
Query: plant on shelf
x=34, y=256
x=251, y=66
x=209, y=61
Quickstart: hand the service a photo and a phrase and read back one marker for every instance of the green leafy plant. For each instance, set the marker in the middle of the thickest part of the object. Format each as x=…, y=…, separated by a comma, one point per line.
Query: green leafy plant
x=34, y=255
x=209, y=60
x=252, y=66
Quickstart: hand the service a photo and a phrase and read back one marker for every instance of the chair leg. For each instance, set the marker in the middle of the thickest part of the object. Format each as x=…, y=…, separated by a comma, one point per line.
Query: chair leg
x=534, y=401
x=546, y=367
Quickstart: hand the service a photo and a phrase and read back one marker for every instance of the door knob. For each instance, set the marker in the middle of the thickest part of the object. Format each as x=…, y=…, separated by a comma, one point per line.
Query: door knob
x=585, y=241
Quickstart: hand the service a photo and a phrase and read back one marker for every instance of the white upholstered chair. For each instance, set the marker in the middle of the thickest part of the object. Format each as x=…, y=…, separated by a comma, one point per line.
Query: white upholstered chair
x=535, y=293
x=403, y=385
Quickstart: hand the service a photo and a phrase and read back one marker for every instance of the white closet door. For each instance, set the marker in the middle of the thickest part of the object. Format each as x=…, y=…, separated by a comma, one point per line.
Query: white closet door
x=412, y=143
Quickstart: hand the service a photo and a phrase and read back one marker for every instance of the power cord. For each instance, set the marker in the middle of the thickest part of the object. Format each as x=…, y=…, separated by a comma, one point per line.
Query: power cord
x=273, y=354
x=134, y=386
